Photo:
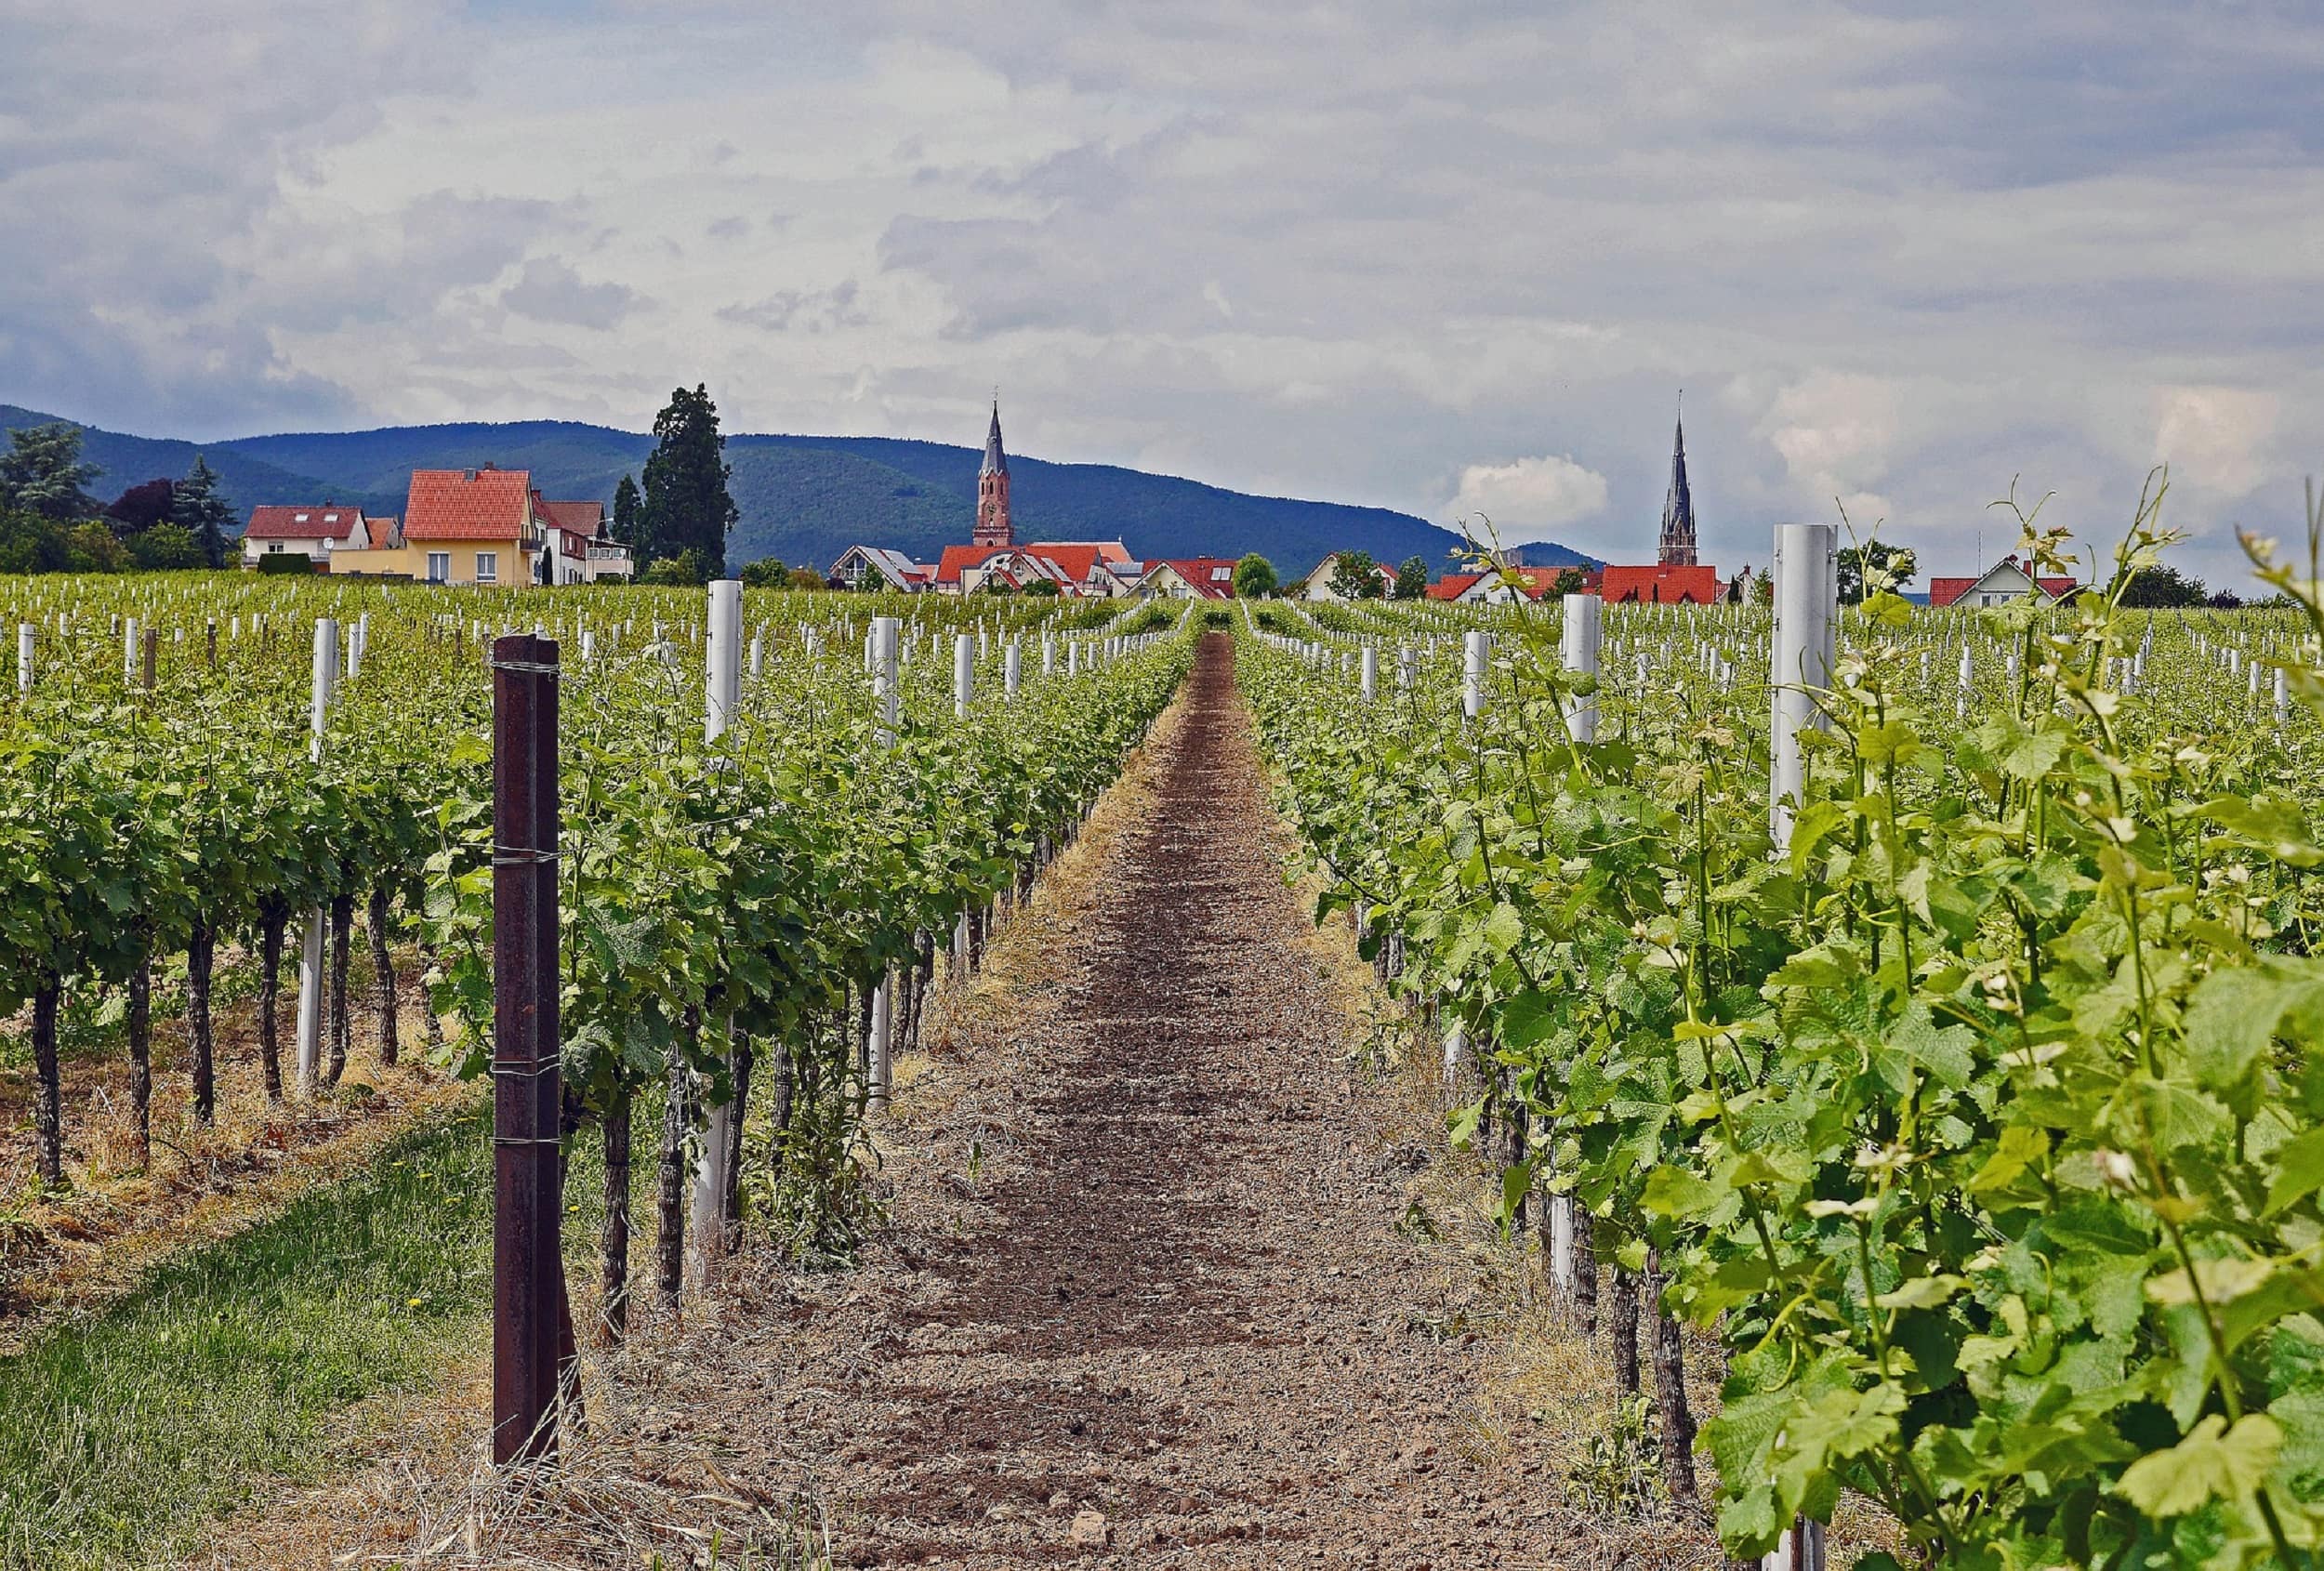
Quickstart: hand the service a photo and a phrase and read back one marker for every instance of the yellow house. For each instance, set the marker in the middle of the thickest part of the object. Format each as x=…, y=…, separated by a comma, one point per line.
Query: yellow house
x=461, y=526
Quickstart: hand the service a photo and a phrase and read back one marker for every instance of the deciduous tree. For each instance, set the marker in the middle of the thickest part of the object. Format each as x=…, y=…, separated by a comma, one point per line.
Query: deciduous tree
x=1893, y=566
x=1255, y=577
x=1412, y=578
x=1355, y=575
x=141, y=506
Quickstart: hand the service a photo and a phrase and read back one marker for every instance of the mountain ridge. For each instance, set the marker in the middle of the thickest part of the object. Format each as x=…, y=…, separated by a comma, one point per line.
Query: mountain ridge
x=804, y=499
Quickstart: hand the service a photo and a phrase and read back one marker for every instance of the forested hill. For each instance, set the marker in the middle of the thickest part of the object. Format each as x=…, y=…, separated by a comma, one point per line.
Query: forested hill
x=803, y=499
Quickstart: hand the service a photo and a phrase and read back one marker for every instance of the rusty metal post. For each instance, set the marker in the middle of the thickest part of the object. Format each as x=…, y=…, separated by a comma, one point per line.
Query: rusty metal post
x=528, y=1200
x=152, y=648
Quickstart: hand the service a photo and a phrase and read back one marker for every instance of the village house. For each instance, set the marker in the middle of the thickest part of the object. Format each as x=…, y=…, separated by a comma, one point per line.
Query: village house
x=311, y=531
x=1495, y=589
x=489, y=525
x=869, y=567
x=1318, y=585
x=1189, y=579
x=2005, y=581
x=582, y=550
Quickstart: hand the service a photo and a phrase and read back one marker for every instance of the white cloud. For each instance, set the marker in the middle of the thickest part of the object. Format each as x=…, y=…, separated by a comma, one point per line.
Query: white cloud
x=1834, y=431
x=1528, y=498
x=2215, y=438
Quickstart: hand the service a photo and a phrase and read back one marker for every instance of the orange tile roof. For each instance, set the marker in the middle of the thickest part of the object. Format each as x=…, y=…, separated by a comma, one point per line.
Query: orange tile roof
x=466, y=504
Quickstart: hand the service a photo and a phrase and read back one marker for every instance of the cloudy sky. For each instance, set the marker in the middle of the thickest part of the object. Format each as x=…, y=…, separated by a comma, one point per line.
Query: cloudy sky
x=1457, y=257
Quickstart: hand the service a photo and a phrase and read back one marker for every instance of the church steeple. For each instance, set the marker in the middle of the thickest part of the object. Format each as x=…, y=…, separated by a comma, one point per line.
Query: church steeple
x=993, y=528
x=1676, y=547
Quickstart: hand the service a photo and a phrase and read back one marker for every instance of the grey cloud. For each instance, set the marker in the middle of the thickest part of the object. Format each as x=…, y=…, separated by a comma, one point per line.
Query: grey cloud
x=550, y=291
x=811, y=311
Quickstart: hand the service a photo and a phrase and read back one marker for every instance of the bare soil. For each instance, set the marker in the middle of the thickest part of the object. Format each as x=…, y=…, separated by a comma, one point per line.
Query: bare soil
x=1148, y=1296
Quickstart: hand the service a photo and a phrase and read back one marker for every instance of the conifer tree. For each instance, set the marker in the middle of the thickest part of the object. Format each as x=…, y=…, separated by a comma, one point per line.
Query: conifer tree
x=626, y=509
x=42, y=472
x=687, y=506
x=195, y=507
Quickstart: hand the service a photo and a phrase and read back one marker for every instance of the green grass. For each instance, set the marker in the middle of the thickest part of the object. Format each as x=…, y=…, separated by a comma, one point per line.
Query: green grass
x=122, y=1435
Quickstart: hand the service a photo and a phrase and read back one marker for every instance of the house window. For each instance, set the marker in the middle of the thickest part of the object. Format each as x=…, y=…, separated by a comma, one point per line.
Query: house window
x=488, y=567
x=439, y=566
x=274, y=546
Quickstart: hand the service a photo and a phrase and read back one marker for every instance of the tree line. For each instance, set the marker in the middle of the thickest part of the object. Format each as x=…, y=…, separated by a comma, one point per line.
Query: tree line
x=50, y=524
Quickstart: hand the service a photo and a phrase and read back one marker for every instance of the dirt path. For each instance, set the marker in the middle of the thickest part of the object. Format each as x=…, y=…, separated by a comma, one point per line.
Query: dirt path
x=1180, y=1303
x=1144, y=1300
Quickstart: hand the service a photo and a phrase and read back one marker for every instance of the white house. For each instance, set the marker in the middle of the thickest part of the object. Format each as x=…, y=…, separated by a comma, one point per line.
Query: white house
x=1317, y=584
x=306, y=531
x=2005, y=581
x=867, y=567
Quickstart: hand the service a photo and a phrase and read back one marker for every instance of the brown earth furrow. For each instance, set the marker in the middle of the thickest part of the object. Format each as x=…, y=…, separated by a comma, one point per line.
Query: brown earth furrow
x=1182, y=1303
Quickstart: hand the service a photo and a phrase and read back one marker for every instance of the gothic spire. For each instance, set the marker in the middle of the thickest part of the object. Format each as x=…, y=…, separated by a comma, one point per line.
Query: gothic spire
x=996, y=461
x=1677, y=546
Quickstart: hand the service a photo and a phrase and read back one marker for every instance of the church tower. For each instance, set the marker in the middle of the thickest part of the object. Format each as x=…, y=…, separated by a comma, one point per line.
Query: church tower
x=992, y=492
x=1677, y=546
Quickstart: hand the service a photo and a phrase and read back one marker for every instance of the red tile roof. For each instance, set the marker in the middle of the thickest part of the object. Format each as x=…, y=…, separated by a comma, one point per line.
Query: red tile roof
x=1202, y=575
x=1452, y=585
x=1074, y=558
x=1658, y=585
x=1948, y=592
x=326, y=522
x=466, y=504
x=585, y=519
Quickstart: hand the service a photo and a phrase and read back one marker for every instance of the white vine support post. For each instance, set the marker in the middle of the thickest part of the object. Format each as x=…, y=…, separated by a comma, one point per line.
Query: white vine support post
x=884, y=633
x=1799, y=665
x=129, y=653
x=1371, y=674
x=1049, y=654
x=963, y=675
x=1011, y=670
x=721, y=700
x=25, y=635
x=312, y=948
x=1473, y=654
x=1807, y=593
x=1581, y=635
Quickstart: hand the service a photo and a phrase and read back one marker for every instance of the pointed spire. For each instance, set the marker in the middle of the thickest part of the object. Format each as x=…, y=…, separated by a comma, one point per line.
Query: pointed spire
x=996, y=461
x=1676, y=547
